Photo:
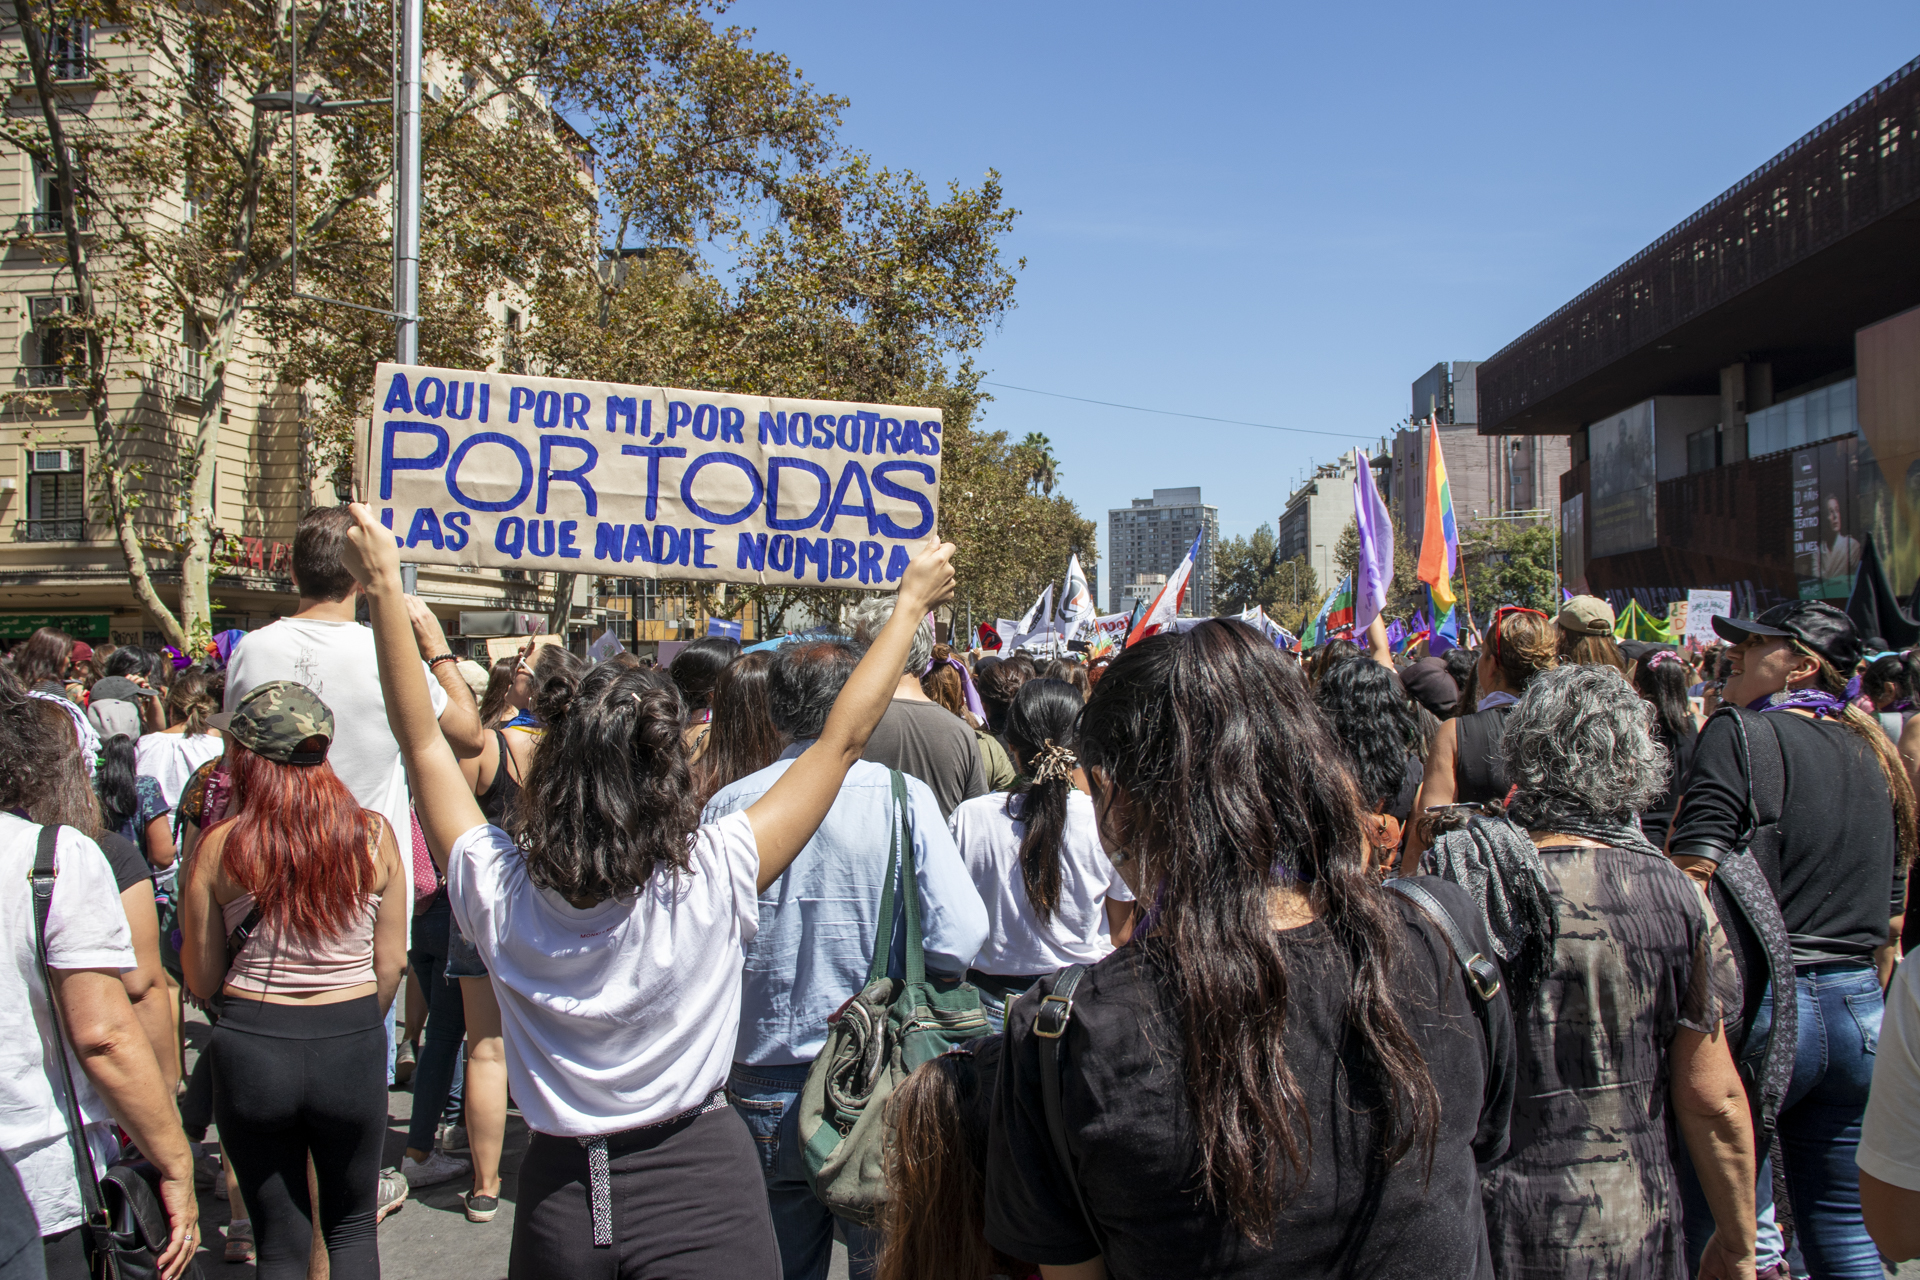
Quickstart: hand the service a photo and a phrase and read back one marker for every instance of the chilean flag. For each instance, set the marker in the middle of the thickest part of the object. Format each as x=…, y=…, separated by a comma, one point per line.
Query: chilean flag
x=1166, y=606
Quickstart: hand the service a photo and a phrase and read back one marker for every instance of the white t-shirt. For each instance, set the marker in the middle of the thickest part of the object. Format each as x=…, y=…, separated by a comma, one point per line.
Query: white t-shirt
x=1890, y=1134
x=1018, y=943
x=336, y=660
x=86, y=929
x=170, y=759
x=623, y=1014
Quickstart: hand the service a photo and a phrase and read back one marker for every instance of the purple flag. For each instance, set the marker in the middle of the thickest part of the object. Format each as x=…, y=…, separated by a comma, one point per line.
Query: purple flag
x=1396, y=634
x=1374, y=574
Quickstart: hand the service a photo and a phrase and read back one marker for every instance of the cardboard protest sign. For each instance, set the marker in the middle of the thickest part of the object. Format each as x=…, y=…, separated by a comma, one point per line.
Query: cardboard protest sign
x=507, y=471
x=1702, y=608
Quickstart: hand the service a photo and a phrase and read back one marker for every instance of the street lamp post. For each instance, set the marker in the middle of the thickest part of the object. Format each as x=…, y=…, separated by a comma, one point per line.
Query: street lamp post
x=405, y=103
x=406, y=193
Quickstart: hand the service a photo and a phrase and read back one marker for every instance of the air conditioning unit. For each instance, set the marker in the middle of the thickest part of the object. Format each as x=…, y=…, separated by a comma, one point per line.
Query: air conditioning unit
x=57, y=459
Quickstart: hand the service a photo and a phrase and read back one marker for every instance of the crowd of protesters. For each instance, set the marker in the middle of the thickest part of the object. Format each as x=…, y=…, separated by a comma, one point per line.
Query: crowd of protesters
x=1243, y=962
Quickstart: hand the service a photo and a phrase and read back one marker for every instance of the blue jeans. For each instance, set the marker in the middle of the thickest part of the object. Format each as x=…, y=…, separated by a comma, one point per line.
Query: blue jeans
x=437, y=1075
x=1839, y=1008
x=767, y=1099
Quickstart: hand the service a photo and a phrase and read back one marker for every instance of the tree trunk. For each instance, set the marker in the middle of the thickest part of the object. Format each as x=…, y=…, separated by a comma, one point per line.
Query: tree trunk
x=196, y=555
x=562, y=611
x=107, y=451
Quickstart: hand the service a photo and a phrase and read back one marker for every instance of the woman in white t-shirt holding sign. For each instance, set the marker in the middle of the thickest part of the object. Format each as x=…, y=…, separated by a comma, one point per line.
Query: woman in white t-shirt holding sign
x=614, y=928
x=1053, y=899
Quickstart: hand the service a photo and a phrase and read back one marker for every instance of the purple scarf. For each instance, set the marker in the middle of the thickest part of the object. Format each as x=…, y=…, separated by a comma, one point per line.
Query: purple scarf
x=974, y=704
x=1820, y=703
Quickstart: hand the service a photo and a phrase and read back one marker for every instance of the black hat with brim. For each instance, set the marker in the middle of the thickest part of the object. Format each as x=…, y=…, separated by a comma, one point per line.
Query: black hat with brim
x=1817, y=625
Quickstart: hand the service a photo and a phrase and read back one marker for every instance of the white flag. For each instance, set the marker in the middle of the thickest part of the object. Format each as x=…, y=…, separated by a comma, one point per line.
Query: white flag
x=1040, y=615
x=1076, y=600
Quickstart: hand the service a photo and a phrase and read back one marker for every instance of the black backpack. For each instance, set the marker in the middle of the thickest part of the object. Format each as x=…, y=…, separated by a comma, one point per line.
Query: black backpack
x=1745, y=892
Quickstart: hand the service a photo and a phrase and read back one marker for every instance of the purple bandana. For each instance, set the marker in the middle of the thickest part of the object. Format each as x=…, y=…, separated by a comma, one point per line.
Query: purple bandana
x=1821, y=704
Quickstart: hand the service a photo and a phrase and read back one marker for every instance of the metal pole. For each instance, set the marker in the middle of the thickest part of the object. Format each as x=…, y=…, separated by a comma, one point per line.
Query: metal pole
x=406, y=190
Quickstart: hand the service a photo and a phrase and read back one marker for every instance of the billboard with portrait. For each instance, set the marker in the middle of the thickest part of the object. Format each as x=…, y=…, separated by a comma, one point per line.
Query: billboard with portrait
x=1826, y=536
x=1622, y=485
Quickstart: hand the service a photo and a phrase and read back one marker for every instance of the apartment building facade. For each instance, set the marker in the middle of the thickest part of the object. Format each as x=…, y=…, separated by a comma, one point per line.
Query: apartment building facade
x=1147, y=540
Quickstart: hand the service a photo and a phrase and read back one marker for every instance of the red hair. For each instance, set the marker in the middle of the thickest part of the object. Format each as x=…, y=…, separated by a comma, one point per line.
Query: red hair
x=298, y=843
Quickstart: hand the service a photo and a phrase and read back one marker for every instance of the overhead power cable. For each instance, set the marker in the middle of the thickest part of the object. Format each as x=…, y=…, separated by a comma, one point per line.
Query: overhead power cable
x=1174, y=413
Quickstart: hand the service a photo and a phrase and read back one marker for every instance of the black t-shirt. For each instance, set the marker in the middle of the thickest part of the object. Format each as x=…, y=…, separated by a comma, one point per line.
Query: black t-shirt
x=1135, y=1151
x=1837, y=841
x=124, y=856
x=1658, y=816
x=1401, y=804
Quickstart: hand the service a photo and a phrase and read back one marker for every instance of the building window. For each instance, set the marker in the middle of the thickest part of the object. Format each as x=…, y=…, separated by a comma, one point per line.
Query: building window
x=512, y=358
x=56, y=496
x=193, y=358
x=49, y=206
x=1703, y=450
x=68, y=46
x=51, y=345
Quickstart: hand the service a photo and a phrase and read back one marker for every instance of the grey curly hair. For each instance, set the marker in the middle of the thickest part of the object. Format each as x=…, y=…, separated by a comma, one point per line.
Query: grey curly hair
x=868, y=618
x=1581, y=743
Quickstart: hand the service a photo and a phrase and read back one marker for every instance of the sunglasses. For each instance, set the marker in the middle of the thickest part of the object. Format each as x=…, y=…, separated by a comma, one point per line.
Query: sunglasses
x=1500, y=615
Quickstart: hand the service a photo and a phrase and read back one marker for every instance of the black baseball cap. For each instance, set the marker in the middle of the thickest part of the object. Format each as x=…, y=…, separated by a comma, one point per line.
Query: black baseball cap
x=1817, y=625
x=1428, y=683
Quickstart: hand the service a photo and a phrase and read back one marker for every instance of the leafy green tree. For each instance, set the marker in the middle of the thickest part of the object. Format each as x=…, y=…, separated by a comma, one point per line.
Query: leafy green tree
x=1245, y=571
x=173, y=159
x=1511, y=566
x=1248, y=572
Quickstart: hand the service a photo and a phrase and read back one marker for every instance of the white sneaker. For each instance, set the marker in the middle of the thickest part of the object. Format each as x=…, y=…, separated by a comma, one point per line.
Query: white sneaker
x=437, y=1167
x=452, y=1139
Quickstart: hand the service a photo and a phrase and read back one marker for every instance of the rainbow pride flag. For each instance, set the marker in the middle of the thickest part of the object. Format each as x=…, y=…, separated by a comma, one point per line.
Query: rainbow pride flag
x=1440, y=538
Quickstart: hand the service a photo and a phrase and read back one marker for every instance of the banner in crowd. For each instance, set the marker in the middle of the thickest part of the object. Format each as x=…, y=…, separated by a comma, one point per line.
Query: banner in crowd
x=513, y=472
x=1702, y=608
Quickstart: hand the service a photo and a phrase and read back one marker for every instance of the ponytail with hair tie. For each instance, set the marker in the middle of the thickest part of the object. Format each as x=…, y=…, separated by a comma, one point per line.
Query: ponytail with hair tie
x=1054, y=763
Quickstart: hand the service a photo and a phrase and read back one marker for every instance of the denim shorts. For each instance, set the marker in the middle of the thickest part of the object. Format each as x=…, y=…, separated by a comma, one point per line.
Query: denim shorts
x=463, y=958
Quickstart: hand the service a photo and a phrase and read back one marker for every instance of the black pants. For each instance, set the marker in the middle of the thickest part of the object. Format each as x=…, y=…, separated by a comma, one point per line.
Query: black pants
x=290, y=1082
x=686, y=1198
x=66, y=1256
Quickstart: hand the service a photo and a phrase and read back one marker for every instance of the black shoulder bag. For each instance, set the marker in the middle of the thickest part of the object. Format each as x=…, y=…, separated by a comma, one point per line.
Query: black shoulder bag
x=126, y=1228
x=1050, y=1023
x=1481, y=972
x=1745, y=893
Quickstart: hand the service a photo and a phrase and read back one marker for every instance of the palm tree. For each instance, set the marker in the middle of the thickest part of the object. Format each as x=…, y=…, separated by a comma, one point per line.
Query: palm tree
x=1043, y=469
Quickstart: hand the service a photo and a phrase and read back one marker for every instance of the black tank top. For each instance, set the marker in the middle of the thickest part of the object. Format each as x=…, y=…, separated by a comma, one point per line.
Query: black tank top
x=497, y=803
x=1479, y=775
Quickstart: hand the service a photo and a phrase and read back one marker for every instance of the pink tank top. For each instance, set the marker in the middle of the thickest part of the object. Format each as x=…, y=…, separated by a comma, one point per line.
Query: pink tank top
x=281, y=965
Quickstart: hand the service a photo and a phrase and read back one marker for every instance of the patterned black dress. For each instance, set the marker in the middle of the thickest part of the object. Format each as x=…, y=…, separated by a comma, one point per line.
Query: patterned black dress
x=1586, y=1188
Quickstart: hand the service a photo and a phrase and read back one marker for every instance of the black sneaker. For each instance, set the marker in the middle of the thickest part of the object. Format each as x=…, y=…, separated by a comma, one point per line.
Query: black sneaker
x=480, y=1208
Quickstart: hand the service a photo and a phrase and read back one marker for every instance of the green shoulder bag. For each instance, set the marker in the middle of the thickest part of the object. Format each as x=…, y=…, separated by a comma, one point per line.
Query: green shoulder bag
x=879, y=1036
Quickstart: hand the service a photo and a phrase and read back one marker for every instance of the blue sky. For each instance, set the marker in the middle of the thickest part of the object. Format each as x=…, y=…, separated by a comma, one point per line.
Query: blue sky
x=1286, y=213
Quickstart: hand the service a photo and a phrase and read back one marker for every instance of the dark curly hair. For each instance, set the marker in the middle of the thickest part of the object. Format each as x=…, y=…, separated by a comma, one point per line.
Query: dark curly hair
x=609, y=797
x=1372, y=719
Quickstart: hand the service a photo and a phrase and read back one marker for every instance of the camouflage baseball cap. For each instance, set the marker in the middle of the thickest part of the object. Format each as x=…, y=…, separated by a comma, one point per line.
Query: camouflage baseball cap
x=276, y=719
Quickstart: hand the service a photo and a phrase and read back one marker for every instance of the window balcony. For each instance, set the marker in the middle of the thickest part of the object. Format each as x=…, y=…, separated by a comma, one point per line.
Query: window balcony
x=49, y=375
x=51, y=531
